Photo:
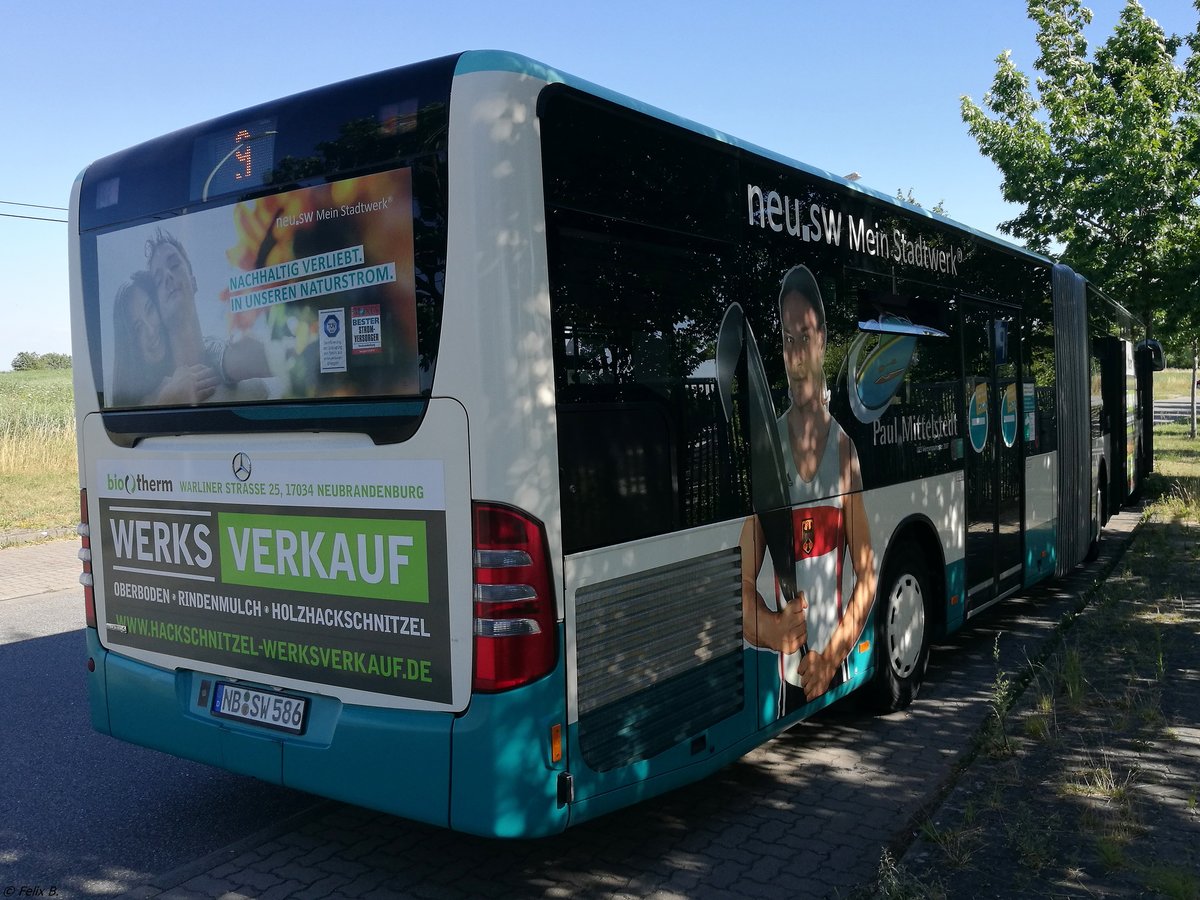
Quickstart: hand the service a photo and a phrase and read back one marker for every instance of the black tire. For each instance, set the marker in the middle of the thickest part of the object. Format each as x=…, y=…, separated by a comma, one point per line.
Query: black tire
x=1139, y=478
x=901, y=629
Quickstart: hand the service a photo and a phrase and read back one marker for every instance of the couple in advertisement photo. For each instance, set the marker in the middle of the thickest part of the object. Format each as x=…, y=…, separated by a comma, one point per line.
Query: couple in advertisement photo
x=228, y=304
x=161, y=356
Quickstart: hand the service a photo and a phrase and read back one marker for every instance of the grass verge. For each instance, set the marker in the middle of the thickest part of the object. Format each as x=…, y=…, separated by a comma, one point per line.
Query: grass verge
x=39, y=485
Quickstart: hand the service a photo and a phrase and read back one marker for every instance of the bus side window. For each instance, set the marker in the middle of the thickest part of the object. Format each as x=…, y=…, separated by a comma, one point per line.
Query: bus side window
x=617, y=471
x=1038, y=375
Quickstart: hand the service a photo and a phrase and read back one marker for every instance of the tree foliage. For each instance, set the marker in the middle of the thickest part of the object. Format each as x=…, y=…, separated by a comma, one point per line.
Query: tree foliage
x=939, y=207
x=26, y=361
x=1102, y=154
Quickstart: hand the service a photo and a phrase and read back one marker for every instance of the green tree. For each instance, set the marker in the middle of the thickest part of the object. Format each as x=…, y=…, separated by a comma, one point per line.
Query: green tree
x=26, y=361
x=1103, y=156
x=1183, y=318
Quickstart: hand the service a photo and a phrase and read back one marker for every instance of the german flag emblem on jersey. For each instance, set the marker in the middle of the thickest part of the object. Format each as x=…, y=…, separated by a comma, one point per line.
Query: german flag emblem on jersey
x=817, y=530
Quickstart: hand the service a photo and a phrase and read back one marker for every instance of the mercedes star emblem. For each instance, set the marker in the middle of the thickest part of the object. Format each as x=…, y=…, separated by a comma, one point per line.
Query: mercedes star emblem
x=241, y=467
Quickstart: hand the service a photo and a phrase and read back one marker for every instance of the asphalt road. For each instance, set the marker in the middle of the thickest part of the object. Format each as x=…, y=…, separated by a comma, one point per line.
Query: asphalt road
x=86, y=813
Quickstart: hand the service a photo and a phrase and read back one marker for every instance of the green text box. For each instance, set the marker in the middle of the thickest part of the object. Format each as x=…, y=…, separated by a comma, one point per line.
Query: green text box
x=385, y=559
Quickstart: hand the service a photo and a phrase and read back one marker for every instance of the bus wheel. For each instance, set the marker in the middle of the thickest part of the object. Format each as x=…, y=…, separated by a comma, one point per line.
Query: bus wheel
x=901, y=638
x=1136, y=495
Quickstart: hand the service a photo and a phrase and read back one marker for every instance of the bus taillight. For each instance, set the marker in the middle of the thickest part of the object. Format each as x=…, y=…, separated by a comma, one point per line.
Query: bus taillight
x=85, y=556
x=514, y=599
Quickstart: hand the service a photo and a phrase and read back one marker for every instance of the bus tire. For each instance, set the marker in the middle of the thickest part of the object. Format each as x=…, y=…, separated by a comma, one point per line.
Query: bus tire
x=1135, y=496
x=901, y=629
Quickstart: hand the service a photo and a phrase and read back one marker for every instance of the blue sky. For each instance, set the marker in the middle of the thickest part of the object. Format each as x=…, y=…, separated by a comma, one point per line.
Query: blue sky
x=858, y=85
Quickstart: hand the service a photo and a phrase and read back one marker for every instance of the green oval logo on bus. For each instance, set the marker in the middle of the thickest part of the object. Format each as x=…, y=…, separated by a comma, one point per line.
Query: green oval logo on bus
x=1008, y=415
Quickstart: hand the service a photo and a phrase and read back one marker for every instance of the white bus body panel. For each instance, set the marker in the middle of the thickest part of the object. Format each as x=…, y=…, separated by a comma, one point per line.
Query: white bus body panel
x=626, y=561
x=1041, y=490
x=496, y=355
x=81, y=372
x=941, y=499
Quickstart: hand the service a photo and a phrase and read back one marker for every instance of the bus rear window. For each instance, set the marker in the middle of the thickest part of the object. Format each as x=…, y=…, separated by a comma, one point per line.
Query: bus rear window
x=290, y=252
x=304, y=294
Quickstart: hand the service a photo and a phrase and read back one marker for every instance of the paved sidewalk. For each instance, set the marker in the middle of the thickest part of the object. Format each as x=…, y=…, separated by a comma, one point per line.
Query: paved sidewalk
x=27, y=569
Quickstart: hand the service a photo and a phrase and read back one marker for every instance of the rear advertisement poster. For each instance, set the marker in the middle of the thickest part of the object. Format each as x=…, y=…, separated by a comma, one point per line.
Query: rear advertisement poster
x=326, y=574
x=304, y=294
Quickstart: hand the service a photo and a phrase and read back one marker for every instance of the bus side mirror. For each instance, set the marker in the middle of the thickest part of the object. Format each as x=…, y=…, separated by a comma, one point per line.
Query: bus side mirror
x=1154, y=351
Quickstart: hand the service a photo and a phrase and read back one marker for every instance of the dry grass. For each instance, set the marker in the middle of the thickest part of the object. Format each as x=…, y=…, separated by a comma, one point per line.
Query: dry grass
x=1176, y=478
x=1172, y=383
x=39, y=487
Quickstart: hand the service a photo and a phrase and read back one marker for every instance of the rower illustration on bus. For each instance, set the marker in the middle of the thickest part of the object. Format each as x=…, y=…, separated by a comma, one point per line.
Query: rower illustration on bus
x=810, y=519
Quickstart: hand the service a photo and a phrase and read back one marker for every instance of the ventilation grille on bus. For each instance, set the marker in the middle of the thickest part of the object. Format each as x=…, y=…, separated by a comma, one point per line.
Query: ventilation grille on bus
x=660, y=657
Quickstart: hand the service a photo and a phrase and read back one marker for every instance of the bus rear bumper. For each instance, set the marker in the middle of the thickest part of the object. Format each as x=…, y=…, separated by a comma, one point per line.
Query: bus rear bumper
x=392, y=760
x=506, y=781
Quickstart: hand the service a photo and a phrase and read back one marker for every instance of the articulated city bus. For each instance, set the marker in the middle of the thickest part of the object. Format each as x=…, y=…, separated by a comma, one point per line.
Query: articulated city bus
x=471, y=443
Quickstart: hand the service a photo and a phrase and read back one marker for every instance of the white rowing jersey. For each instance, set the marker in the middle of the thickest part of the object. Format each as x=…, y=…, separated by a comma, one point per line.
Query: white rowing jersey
x=819, y=531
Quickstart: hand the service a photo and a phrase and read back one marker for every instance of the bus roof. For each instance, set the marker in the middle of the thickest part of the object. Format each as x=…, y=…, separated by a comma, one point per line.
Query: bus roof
x=504, y=61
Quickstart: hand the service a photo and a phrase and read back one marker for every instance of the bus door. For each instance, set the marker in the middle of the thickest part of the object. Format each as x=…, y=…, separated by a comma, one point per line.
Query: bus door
x=993, y=465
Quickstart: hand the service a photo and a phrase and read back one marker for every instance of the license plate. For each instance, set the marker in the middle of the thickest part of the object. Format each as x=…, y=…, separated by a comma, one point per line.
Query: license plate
x=266, y=708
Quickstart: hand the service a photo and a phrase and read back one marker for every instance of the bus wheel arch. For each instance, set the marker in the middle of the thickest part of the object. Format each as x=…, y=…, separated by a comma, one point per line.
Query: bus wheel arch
x=906, y=615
